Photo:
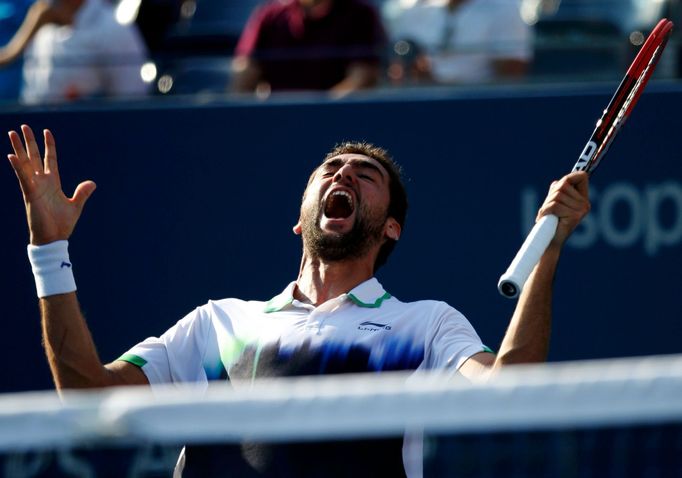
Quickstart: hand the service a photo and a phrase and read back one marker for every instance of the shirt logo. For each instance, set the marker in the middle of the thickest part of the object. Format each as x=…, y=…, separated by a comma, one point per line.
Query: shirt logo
x=373, y=326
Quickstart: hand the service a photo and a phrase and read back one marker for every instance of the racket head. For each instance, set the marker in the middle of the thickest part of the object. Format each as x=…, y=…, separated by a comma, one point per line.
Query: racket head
x=625, y=98
x=647, y=58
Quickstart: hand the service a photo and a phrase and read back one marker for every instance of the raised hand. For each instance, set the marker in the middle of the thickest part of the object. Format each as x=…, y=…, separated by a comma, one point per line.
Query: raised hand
x=51, y=215
x=568, y=199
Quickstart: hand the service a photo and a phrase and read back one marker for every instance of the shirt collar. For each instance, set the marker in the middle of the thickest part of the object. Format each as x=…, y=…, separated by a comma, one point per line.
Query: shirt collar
x=367, y=294
x=280, y=301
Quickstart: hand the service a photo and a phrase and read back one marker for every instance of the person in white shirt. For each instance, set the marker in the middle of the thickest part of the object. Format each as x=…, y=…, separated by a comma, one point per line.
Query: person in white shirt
x=334, y=318
x=76, y=49
x=460, y=41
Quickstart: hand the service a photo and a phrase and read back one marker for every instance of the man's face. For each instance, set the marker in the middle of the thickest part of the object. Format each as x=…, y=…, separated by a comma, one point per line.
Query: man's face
x=344, y=209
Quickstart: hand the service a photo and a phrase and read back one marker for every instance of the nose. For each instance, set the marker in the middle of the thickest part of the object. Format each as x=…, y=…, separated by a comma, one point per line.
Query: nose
x=344, y=173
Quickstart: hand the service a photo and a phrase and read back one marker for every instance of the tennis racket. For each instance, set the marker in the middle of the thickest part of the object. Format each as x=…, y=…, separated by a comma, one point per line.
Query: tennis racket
x=616, y=113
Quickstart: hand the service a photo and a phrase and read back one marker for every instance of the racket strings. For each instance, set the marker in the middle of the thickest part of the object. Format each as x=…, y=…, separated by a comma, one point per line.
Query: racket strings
x=625, y=108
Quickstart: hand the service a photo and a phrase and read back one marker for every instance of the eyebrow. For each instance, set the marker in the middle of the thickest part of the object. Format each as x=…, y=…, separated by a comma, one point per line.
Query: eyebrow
x=363, y=163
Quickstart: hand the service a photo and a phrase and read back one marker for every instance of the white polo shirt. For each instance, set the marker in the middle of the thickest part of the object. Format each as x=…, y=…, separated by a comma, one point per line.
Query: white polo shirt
x=463, y=44
x=95, y=56
x=362, y=331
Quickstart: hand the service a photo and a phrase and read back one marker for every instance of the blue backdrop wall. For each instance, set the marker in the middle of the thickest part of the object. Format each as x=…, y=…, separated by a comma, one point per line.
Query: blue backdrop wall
x=197, y=202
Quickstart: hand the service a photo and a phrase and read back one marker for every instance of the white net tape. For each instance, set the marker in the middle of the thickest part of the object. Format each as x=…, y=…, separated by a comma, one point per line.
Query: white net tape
x=599, y=393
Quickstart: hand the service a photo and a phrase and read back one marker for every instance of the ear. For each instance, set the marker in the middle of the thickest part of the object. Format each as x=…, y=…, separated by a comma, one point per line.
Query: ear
x=392, y=229
x=297, y=228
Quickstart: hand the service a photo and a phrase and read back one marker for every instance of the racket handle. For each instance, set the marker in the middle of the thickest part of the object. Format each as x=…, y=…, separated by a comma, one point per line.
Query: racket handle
x=511, y=282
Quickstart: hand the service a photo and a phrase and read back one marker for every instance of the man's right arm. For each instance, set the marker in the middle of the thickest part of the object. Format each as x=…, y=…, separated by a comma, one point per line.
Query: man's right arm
x=71, y=352
x=51, y=217
x=528, y=334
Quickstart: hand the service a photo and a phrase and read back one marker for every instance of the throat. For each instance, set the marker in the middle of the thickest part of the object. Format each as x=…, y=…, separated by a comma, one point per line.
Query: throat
x=320, y=281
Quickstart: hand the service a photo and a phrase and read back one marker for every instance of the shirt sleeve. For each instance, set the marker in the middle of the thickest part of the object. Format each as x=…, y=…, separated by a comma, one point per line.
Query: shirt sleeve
x=177, y=355
x=451, y=340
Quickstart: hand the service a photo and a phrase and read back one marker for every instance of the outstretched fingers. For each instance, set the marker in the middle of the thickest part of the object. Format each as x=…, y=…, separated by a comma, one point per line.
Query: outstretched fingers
x=32, y=148
x=18, y=147
x=20, y=171
x=50, y=153
x=26, y=160
x=51, y=215
x=20, y=162
x=83, y=191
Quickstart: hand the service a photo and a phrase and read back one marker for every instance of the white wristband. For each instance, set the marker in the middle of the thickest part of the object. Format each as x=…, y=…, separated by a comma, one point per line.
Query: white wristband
x=52, y=268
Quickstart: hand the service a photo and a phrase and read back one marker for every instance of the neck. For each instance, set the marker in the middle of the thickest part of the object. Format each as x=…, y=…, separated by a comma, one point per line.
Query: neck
x=320, y=281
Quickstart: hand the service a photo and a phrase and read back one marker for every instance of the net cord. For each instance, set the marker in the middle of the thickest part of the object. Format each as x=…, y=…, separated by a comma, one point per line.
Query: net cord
x=533, y=397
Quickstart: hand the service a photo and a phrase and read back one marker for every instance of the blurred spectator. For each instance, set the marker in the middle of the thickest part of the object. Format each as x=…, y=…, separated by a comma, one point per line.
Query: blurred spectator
x=458, y=41
x=288, y=45
x=76, y=49
x=12, y=12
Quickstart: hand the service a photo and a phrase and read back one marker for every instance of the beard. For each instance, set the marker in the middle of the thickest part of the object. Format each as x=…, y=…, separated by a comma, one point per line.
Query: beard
x=332, y=246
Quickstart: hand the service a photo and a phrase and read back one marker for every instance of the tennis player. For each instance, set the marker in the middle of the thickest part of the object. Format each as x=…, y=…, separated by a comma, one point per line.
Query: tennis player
x=334, y=318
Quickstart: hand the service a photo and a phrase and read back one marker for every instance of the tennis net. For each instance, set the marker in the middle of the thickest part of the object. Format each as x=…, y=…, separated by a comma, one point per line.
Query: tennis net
x=620, y=418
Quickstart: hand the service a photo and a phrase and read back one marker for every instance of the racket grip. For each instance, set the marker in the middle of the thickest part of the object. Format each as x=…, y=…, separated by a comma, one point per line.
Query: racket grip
x=511, y=282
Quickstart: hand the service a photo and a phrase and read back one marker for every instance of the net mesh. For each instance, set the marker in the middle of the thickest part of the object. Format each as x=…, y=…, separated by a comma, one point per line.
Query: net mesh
x=620, y=418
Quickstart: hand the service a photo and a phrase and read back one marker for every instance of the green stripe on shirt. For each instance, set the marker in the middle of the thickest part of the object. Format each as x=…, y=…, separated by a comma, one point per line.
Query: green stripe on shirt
x=133, y=359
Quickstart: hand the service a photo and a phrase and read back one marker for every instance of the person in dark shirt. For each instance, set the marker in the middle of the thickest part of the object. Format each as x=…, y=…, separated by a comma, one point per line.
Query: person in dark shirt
x=332, y=45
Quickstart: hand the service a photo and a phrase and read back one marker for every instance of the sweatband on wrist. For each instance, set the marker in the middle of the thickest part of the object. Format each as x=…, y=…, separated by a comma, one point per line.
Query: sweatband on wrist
x=52, y=268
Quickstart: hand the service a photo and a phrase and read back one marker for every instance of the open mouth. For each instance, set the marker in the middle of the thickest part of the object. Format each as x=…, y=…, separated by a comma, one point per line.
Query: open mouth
x=339, y=205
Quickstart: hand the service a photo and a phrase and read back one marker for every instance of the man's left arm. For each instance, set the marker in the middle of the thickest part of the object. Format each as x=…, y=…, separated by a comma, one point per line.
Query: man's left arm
x=527, y=337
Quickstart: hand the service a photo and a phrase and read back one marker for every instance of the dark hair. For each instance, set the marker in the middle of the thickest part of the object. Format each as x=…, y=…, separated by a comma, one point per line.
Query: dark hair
x=397, y=206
